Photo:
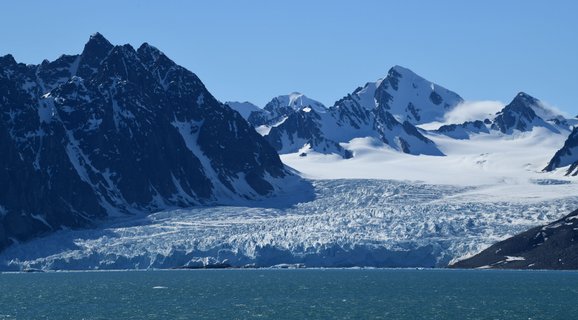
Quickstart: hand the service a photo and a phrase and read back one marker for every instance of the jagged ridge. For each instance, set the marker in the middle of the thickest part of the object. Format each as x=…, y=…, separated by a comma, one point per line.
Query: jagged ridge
x=116, y=130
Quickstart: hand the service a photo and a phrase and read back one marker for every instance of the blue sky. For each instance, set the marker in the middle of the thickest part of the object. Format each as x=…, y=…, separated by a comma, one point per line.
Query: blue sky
x=254, y=50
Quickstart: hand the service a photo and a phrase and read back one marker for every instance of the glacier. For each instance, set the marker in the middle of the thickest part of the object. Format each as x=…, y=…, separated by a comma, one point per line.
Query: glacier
x=345, y=223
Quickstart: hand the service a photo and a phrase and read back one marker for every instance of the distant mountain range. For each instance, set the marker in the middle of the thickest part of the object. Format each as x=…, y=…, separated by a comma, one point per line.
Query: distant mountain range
x=392, y=111
x=116, y=130
x=387, y=110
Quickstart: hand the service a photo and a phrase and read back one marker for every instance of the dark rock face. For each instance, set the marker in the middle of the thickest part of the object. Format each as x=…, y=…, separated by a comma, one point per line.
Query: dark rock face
x=519, y=115
x=464, y=130
x=349, y=113
x=117, y=130
x=567, y=156
x=435, y=98
x=554, y=246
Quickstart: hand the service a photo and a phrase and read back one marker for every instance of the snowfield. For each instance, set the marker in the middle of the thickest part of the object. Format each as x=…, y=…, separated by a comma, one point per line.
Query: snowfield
x=350, y=222
x=483, y=159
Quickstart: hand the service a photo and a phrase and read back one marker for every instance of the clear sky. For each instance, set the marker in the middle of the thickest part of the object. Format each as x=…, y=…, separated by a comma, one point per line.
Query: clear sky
x=255, y=50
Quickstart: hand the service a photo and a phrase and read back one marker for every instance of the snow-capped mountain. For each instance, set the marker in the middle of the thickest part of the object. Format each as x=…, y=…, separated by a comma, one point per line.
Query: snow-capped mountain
x=567, y=155
x=386, y=110
x=116, y=130
x=244, y=108
x=404, y=137
x=413, y=98
x=407, y=96
x=520, y=115
x=306, y=130
x=301, y=131
x=280, y=107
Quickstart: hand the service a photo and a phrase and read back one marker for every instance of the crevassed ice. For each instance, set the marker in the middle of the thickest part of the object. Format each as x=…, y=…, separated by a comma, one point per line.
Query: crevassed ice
x=379, y=223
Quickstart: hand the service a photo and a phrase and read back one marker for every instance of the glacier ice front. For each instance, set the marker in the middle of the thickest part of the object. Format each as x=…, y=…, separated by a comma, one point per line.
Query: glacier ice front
x=374, y=223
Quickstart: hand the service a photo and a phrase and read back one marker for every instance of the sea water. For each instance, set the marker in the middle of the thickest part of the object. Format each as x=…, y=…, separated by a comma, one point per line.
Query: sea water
x=290, y=294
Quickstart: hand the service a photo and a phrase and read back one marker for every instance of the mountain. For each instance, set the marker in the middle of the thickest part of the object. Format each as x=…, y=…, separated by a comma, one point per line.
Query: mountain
x=413, y=98
x=552, y=246
x=306, y=130
x=567, y=155
x=520, y=115
x=116, y=130
x=282, y=106
x=407, y=96
x=244, y=108
x=404, y=137
x=302, y=131
x=386, y=110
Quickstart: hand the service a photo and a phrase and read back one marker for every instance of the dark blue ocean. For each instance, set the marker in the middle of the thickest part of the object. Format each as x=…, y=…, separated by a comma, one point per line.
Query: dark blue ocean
x=290, y=294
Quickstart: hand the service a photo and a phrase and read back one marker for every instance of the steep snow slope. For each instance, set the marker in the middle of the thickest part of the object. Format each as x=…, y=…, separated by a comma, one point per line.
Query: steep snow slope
x=413, y=98
x=349, y=223
x=407, y=96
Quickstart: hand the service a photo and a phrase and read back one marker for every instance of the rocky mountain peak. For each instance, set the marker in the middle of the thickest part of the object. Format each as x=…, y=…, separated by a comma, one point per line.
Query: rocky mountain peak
x=95, y=50
x=523, y=103
x=97, y=47
x=106, y=133
x=150, y=55
x=518, y=115
x=7, y=60
x=413, y=98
